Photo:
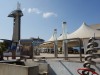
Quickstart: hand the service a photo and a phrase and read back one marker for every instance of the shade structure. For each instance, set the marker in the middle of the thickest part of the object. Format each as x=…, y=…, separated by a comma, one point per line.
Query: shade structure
x=46, y=45
x=84, y=32
x=51, y=39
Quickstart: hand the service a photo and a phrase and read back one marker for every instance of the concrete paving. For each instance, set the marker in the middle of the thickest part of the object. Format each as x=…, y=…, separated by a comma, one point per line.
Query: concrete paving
x=59, y=55
x=59, y=66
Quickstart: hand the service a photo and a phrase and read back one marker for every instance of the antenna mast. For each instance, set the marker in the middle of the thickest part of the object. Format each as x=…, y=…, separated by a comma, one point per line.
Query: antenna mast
x=18, y=6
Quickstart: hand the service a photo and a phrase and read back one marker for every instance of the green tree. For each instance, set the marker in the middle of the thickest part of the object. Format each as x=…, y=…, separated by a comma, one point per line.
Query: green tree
x=3, y=47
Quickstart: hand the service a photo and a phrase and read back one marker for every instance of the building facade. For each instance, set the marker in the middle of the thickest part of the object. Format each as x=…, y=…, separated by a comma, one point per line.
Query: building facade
x=29, y=46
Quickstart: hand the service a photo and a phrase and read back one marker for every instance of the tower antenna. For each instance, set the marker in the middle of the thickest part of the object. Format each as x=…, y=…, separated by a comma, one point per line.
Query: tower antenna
x=18, y=6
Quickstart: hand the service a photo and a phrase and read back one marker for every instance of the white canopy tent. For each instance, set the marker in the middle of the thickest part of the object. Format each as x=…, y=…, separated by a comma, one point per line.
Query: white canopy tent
x=85, y=32
x=51, y=39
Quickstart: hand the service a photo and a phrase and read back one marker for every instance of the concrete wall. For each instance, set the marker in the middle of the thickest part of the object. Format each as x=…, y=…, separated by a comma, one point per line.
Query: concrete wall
x=43, y=67
x=11, y=69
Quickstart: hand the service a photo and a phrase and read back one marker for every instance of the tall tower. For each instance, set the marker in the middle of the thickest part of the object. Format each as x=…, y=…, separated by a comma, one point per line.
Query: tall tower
x=16, y=14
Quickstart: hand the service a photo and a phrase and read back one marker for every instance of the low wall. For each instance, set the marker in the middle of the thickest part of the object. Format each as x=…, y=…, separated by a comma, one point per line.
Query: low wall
x=43, y=67
x=11, y=69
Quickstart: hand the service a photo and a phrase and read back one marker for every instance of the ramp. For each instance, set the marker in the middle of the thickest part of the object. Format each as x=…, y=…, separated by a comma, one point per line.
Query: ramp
x=61, y=67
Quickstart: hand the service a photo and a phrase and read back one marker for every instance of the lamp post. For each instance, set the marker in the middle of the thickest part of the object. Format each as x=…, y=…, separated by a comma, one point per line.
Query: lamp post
x=55, y=43
x=64, y=47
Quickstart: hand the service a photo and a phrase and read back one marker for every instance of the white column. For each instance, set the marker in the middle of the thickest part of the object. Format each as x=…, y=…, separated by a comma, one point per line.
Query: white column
x=85, y=43
x=64, y=47
x=55, y=43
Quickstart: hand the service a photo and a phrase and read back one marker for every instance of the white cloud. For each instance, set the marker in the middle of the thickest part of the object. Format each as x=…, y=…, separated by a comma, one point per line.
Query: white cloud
x=29, y=10
x=34, y=10
x=49, y=14
x=37, y=11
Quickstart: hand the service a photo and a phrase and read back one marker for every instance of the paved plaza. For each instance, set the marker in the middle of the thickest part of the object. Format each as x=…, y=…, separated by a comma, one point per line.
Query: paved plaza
x=60, y=66
x=71, y=57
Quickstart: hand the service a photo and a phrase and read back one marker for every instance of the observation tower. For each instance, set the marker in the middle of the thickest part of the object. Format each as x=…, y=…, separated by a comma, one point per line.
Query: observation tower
x=16, y=14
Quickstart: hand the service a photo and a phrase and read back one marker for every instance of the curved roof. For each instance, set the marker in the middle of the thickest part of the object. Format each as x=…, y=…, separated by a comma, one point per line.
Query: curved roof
x=59, y=38
x=84, y=32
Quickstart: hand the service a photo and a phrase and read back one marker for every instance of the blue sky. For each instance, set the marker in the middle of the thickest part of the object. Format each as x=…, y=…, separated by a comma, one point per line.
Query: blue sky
x=41, y=17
